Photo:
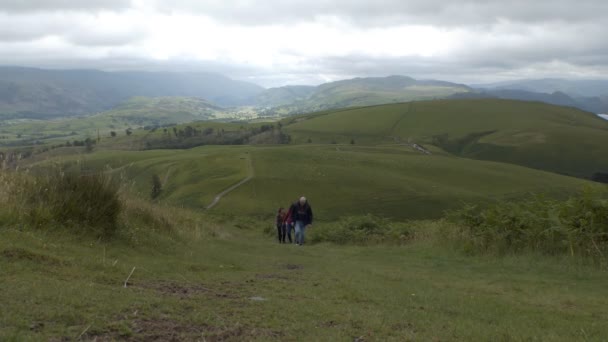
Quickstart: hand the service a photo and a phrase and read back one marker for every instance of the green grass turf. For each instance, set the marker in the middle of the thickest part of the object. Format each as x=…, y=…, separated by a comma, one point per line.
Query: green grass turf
x=59, y=287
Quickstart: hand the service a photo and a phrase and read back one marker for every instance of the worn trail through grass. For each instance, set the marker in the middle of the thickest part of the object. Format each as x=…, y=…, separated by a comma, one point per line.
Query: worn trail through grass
x=250, y=176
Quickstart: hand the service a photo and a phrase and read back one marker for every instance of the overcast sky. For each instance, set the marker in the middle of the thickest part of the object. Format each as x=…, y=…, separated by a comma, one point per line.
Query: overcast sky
x=277, y=42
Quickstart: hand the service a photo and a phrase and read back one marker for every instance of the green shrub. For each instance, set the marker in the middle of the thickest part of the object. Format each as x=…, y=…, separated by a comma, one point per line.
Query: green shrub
x=577, y=226
x=361, y=230
x=83, y=202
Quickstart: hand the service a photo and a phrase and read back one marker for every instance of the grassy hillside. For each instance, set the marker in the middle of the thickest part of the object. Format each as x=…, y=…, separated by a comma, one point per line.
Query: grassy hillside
x=558, y=139
x=340, y=180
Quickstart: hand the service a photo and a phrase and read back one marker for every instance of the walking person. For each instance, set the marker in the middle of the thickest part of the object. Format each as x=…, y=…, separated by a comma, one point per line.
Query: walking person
x=301, y=213
x=288, y=225
x=280, y=223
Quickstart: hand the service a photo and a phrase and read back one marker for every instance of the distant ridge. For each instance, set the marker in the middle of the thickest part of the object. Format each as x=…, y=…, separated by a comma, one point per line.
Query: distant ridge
x=356, y=92
x=39, y=93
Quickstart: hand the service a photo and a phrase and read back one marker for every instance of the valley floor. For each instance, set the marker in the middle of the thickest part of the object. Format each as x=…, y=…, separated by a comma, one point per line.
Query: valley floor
x=242, y=285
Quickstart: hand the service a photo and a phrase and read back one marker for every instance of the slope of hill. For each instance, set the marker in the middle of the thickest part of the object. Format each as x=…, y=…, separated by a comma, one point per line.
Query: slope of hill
x=358, y=92
x=558, y=139
x=36, y=93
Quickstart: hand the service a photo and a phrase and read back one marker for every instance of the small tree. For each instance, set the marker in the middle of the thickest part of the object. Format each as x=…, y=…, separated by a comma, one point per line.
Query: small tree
x=88, y=144
x=113, y=134
x=309, y=141
x=352, y=141
x=157, y=186
x=128, y=131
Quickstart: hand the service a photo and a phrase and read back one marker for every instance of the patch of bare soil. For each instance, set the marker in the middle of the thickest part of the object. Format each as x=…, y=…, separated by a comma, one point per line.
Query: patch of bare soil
x=271, y=276
x=166, y=329
x=20, y=254
x=188, y=290
x=293, y=267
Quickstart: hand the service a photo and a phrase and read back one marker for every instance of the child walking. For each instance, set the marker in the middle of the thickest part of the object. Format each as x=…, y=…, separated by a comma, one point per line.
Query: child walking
x=280, y=223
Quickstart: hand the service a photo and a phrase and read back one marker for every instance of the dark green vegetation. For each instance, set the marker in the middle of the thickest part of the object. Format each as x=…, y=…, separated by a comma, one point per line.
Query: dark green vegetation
x=42, y=94
x=578, y=226
x=80, y=202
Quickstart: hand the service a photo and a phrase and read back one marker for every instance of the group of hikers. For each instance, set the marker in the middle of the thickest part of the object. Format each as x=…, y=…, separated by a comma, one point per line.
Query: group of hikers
x=297, y=218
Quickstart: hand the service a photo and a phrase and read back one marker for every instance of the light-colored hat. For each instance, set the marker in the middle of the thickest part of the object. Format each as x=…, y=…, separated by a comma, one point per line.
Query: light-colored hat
x=302, y=199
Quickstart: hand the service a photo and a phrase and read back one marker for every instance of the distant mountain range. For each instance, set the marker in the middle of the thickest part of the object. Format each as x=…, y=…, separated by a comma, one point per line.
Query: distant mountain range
x=574, y=88
x=37, y=93
x=43, y=94
x=589, y=95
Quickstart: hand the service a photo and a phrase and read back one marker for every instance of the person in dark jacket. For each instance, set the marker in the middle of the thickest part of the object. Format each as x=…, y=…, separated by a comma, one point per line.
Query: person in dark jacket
x=301, y=215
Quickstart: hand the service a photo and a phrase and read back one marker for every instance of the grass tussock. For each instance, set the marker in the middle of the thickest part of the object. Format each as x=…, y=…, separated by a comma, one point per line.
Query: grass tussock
x=577, y=226
x=87, y=203
x=140, y=218
x=94, y=205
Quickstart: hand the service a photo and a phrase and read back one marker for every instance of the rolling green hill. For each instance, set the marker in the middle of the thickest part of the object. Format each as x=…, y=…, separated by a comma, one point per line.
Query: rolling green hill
x=356, y=92
x=557, y=139
x=340, y=180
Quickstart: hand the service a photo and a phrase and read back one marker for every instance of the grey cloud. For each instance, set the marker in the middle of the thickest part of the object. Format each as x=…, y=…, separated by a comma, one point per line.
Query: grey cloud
x=92, y=38
x=74, y=28
x=393, y=12
x=17, y=6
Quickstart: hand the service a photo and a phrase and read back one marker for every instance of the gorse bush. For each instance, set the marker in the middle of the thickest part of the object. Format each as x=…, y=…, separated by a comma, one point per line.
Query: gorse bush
x=577, y=226
x=83, y=202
